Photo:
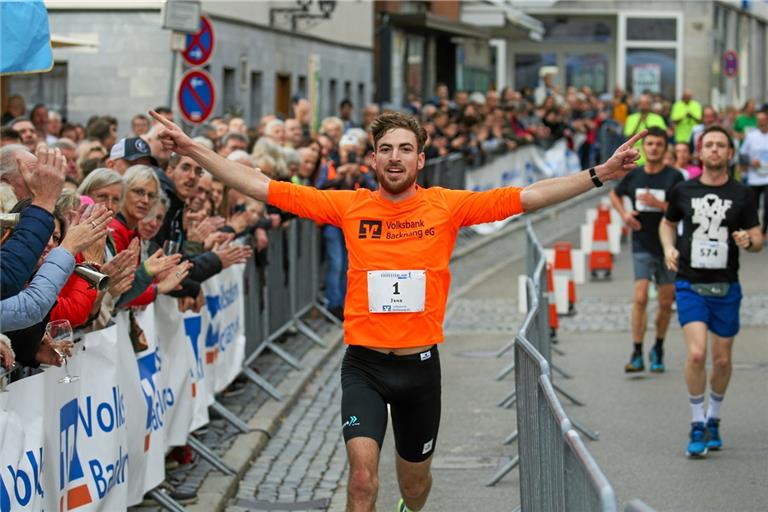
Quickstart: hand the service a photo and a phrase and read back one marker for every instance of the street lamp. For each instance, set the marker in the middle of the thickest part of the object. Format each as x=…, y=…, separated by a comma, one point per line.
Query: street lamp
x=303, y=6
x=326, y=9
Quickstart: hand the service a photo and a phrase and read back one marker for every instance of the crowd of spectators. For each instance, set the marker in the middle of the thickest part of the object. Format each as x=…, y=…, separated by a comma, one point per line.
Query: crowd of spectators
x=111, y=199
x=167, y=215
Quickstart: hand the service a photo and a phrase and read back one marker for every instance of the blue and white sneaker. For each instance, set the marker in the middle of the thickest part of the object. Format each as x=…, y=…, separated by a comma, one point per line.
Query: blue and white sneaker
x=697, y=446
x=713, y=434
x=657, y=361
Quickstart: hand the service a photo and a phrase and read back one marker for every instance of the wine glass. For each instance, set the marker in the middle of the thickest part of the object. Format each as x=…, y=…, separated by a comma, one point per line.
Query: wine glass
x=60, y=332
x=170, y=247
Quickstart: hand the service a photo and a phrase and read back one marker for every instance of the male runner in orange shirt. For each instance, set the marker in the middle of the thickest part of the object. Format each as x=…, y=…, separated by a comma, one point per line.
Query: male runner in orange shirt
x=400, y=240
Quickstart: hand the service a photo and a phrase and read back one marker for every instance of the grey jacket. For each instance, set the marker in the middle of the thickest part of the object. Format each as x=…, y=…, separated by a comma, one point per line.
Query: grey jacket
x=31, y=304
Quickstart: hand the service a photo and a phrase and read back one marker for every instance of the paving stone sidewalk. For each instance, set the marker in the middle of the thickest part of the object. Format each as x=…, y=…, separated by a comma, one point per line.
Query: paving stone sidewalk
x=305, y=462
x=595, y=314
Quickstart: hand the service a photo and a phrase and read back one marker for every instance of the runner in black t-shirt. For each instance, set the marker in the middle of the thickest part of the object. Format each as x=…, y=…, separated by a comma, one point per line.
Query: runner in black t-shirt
x=719, y=216
x=648, y=188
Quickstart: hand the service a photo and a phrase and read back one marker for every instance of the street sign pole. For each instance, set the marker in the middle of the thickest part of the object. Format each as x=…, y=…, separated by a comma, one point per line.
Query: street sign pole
x=178, y=44
x=172, y=81
x=182, y=17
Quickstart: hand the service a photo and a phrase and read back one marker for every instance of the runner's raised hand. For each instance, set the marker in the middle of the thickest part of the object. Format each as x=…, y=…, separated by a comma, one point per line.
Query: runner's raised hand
x=171, y=136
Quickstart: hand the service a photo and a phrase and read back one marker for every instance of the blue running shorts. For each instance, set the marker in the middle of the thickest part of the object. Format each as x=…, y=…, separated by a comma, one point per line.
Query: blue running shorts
x=721, y=314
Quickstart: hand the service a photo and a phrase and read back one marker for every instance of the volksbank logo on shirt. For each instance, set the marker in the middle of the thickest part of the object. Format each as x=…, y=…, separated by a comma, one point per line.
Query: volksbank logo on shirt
x=369, y=229
x=396, y=229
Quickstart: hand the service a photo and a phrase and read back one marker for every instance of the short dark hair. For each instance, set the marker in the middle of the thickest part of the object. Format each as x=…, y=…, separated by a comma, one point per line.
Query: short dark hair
x=233, y=136
x=718, y=129
x=345, y=103
x=6, y=132
x=163, y=110
x=17, y=120
x=99, y=129
x=392, y=120
x=655, y=131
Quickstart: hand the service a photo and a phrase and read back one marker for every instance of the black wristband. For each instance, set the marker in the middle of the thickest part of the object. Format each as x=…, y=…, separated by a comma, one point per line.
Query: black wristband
x=595, y=179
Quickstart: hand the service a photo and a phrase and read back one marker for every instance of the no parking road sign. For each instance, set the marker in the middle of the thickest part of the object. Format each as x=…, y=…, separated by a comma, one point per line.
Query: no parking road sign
x=200, y=45
x=196, y=96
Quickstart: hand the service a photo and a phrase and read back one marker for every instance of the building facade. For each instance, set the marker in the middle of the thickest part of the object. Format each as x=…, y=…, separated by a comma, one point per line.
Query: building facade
x=260, y=58
x=716, y=48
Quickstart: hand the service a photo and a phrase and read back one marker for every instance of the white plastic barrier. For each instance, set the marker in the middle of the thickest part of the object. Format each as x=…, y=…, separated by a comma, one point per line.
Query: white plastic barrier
x=99, y=443
x=519, y=168
x=561, y=294
x=578, y=261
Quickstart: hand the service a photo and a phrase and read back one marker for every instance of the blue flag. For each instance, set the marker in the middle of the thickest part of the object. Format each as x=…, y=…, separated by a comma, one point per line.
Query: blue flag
x=25, y=39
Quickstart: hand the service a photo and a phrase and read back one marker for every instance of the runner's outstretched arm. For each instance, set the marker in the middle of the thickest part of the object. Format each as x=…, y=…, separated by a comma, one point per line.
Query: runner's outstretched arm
x=668, y=237
x=247, y=180
x=555, y=190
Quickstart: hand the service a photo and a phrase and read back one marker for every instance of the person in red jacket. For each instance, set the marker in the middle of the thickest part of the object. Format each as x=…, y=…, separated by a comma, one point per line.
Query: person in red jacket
x=141, y=194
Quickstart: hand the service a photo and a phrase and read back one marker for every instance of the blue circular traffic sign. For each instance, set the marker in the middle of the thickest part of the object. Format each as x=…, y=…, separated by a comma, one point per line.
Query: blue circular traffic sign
x=197, y=96
x=200, y=45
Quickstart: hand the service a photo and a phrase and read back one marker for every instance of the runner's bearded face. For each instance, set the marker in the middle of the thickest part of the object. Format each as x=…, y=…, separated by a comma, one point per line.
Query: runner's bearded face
x=397, y=160
x=715, y=151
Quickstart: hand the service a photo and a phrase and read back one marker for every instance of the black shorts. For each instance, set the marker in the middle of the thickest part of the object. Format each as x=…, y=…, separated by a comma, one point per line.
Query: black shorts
x=409, y=384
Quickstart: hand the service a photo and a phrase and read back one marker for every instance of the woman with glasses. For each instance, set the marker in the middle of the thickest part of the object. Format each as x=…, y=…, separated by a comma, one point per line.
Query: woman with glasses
x=140, y=195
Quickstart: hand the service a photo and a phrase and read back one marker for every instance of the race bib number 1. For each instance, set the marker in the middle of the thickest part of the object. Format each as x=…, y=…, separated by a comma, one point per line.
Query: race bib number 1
x=396, y=291
x=709, y=254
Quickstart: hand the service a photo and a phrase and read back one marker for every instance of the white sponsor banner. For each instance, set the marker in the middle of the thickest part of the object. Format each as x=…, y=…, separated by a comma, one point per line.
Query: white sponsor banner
x=99, y=443
x=519, y=168
x=102, y=431
x=65, y=473
x=225, y=338
x=195, y=327
x=141, y=476
x=177, y=352
x=22, y=445
x=158, y=397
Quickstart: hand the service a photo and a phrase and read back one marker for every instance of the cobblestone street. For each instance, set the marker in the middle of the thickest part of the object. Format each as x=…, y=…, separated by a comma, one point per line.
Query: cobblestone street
x=305, y=462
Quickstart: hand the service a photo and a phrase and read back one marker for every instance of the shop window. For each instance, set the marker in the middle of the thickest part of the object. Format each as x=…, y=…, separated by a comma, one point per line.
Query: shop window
x=49, y=88
x=527, y=67
x=651, y=70
x=229, y=95
x=589, y=69
x=256, y=89
x=651, y=29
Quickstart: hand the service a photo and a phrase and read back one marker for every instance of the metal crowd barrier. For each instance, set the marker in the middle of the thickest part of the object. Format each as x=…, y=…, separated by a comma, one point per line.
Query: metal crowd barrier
x=557, y=472
x=609, y=138
x=446, y=171
x=279, y=295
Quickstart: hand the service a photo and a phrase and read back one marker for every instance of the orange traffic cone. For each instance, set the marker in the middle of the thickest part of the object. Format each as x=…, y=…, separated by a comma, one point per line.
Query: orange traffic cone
x=600, y=259
x=564, y=266
x=604, y=213
x=554, y=323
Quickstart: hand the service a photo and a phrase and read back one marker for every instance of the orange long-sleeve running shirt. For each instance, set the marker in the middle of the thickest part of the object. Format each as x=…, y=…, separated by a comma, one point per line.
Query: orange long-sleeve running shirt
x=417, y=234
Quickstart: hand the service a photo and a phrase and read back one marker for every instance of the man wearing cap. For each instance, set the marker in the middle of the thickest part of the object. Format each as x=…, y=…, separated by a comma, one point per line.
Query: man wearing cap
x=128, y=152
